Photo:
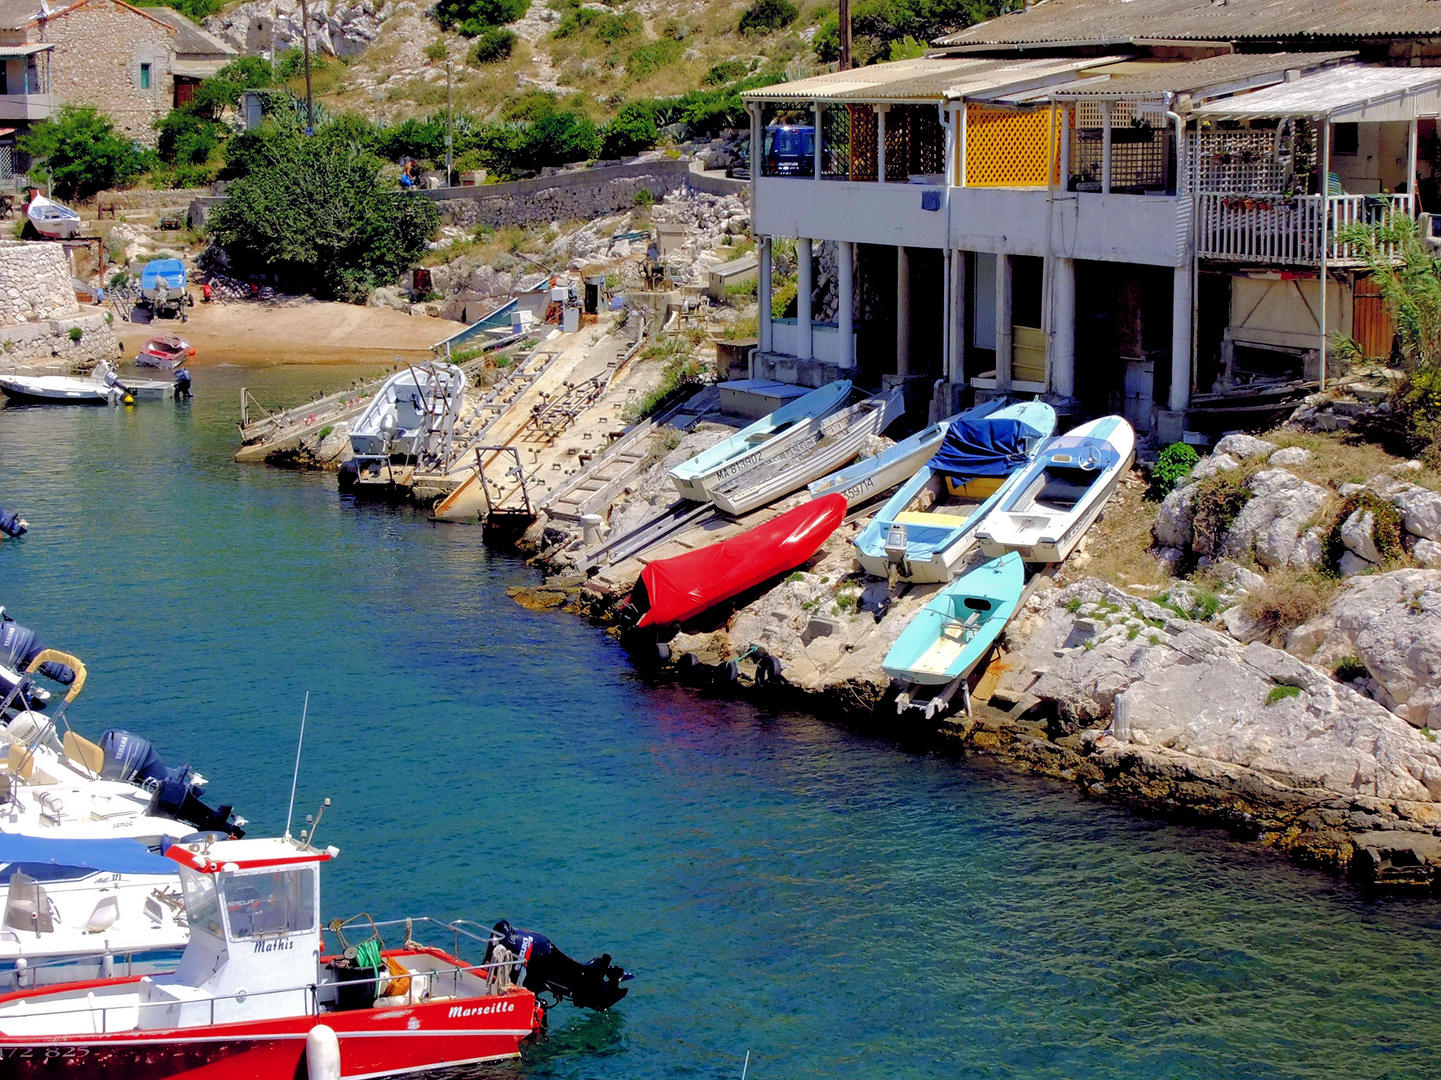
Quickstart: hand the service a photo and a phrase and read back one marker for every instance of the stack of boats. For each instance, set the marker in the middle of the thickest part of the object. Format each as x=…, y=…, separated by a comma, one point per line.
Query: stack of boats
x=141, y=933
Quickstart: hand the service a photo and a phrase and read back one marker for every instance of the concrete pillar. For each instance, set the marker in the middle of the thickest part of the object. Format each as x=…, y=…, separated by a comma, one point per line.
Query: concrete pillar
x=947, y=298
x=763, y=296
x=805, y=285
x=960, y=297
x=1107, y=111
x=903, y=311
x=819, y=149
x=1003, y=322
x=881, y=111
x=1181, y=339
x=1063, y=327
x=846, y=301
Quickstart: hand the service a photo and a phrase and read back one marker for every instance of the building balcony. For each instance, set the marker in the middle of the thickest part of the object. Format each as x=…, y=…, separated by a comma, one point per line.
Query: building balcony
x=1153, y=230
x=27, y=106
x=1288, y=230
x=909, y=214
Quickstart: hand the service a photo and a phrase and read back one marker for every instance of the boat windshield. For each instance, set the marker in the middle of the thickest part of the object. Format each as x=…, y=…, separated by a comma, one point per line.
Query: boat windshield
x=202, y=909
x=273, y=902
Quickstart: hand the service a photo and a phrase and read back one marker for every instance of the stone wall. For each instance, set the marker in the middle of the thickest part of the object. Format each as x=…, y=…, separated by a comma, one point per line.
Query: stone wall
x=165, y=198
x=48, y=346
x=100, y=47
x=567, y=196
x=35, y=283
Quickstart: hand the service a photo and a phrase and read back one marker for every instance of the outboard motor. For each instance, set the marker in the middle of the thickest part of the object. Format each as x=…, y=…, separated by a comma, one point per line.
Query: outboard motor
x=13, y=524
x=18, y=647
x=132, y=759
x=182, y=384
x=593, y=985
x=177, y=800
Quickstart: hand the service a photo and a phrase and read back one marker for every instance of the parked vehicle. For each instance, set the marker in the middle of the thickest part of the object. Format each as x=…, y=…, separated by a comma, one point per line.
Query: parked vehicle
x=790, y=150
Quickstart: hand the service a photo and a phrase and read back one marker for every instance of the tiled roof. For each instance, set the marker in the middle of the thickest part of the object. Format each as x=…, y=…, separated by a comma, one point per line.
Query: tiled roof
x=190, y=39
x=1227, y=73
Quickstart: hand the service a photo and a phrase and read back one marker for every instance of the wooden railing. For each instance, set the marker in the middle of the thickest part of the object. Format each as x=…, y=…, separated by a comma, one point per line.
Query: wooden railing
x=1286, y=229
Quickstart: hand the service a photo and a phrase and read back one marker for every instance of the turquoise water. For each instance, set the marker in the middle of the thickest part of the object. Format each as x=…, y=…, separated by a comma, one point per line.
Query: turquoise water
x=840, y=906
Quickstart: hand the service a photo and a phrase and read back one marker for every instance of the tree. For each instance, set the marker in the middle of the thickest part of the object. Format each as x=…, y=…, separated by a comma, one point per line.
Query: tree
x=559, y=138
x=316, y=213
x=492, y=45
x=764, y=16
x=632, y=131
x=473, y=17
x=82, y=152
x=879, y=28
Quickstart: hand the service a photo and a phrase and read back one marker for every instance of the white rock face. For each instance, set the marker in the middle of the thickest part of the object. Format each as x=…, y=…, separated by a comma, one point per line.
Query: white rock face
x=1197, y=696
x=1212, y=464
x=1174, y=522
x=1270, y=524
x=1420, y=510
x=1244, y=446
x=1428, y=554
x=1358, y=533
x=1350, y=564
x=1308, y=551
x=1393, y=623
x=336, y=28
x=1290, y=455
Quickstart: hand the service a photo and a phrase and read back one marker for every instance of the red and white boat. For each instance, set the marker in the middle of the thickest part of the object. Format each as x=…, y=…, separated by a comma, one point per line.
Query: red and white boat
x=255, y=995
x=166, y=351
x=680, y=588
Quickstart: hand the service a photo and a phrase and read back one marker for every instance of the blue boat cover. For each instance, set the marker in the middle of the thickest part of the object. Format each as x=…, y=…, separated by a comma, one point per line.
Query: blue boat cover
x=117, y=856
x=986, y=447
x=172, y=270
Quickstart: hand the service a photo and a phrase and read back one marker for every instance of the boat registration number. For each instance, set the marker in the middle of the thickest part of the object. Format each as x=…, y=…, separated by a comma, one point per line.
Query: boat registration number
x=42, y=1053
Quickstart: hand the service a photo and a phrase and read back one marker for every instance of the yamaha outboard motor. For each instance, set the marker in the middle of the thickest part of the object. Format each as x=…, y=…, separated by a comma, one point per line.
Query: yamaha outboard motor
x=176, y=799
x=18, y=647
x=593, y=985
x=132, y=758
x=13, y=524
x=182, y=384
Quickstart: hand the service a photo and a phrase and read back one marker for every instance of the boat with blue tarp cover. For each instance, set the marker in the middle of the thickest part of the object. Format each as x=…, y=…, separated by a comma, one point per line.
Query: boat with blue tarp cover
x=926, y=529
x=1046, y=512
x=162, y=288
x=869, y=477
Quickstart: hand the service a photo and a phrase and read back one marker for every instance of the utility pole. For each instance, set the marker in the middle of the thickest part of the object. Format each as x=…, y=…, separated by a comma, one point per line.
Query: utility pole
x=845, y=35
x=449, y=118
x=305, y=32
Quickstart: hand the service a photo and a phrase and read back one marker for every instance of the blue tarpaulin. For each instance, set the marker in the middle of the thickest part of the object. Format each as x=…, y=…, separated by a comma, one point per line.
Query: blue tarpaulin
x=172, y=270
x=986, y=447
x=117, y=856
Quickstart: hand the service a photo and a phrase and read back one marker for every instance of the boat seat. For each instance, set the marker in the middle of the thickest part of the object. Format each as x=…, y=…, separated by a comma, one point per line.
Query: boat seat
x=914, y=517
x=84, y=753
x=21, y=762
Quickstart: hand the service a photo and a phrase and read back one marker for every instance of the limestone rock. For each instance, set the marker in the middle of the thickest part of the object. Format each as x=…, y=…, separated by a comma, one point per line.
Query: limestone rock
x=1270, y=524
x=1428, y=554
x=1350, y=564
x=1194, y=698
x=1244, y=446
x=387, y=296
x=1309, y=550
x=1420, y=511
x=1212, y=464
x=1174, y=522
x=1290, y=455
x=1358, y=533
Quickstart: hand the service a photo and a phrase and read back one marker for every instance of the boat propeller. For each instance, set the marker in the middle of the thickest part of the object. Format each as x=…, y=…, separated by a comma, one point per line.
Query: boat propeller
x=545, y=969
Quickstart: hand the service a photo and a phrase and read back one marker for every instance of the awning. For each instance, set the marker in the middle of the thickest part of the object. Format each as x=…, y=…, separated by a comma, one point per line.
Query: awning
x=16, y=52
x=1356, y=92
x=198, y=69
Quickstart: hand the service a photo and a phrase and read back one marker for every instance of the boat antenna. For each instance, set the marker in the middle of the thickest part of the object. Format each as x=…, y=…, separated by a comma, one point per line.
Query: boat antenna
x=746, y=1067
x=295, y=776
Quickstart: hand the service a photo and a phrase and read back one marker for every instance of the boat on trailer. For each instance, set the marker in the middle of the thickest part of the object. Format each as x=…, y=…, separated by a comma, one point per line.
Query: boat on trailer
x=258, y=995
x=767, y=438
x=51, y=219
x=410, y=420
x=942, y=644
x=1053, y=502
x=925, y=531
x=826, y=443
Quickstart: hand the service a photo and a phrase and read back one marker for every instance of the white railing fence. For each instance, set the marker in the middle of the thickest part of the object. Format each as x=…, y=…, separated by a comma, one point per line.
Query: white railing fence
x=1287, y=229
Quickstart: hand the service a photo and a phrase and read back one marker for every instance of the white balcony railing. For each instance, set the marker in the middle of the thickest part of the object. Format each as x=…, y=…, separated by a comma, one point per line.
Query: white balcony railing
x=1286, y=229
x=27, y=106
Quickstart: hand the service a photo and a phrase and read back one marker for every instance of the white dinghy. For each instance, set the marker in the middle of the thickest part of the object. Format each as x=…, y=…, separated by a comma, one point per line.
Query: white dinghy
x=51, y=219
x=101, y=387
x=413, y=415
x=767, y=438
x=1056, y=499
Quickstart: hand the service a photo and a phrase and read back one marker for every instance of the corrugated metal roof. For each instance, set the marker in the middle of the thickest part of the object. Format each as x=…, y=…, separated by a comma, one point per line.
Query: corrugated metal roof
x=190, y=39
x=1199, y=78
x=926, y=79
x=1381, y=93
x=16, y=52
x=1115, y=21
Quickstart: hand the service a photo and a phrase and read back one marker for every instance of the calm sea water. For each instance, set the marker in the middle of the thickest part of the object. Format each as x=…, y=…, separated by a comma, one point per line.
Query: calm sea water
x=836, y=905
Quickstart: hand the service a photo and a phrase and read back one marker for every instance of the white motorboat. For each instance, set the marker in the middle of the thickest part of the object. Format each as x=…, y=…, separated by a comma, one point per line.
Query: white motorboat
x=101, y=387
x=1047, y=511
x=925, y=530
x=413, y=415
x=767, y=438
x=85, y=909
x=871, y=476
x=51, y=219
x=823, y=444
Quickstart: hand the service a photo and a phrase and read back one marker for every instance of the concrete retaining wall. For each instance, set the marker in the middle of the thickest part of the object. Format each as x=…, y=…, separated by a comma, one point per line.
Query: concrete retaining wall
x=567, y=196
x=47, y=345
x=35, y=283
x=165, y=198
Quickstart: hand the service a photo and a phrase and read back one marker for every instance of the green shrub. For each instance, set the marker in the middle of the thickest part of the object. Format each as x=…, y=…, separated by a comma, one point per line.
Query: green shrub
x=1281, y=693
x=650, y=58
x=1350, y=668
x=493, y=45
x=559, y=138
x=632, y=131
x=1288, y=599
x=1173, y=465
x=436, y=51
x=765, y=16
x=724, y=72
x=76, y=333
x=195, y=10
x=1386, y=530
x=471, y=17
x=783, y=300
x=644, y=197
x=82, y=153
x=1219, y=498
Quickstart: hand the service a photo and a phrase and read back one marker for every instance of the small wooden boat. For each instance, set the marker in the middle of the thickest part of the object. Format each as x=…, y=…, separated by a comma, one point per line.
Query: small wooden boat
x=166, y=351
x=758, y=443
x=1052, y=504
x=827, y=442
x=948, y=637
x=927, y=528
x=257, y=995
x=680, y=588
x=51, y=219
x=870, y=476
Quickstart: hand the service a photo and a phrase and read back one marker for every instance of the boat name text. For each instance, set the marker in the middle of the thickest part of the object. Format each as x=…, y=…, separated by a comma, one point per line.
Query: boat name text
x=481, y=1010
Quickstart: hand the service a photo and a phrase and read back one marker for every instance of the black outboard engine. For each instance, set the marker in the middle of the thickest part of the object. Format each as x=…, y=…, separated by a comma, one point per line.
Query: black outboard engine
x=177, y=800
x=18, y=647
x=593, y=985
x=132, y=758
x=13, y=524
x=182, y=384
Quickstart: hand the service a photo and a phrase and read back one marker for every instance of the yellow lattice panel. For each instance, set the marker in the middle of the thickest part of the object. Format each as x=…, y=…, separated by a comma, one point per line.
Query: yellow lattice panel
x=1005, y=148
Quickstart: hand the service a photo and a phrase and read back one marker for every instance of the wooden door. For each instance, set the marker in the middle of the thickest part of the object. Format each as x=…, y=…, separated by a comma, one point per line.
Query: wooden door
x=1370, y=321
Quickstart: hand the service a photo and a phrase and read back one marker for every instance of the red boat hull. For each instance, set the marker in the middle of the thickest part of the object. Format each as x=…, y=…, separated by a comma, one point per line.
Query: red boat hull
x=373, y=1042
x=683, y=587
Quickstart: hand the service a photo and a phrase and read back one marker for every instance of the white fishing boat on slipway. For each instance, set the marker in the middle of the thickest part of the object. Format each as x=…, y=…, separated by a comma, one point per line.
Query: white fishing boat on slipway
x=825, y=443
x=925, y=530
x=413, y=415
x=761, y=441
x=1047, y=511
x=51, y=219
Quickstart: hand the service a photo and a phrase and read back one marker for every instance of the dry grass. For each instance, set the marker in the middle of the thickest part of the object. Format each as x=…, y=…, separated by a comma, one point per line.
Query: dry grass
x=1118, y=545
x=1289, y=598
x=1338, y=458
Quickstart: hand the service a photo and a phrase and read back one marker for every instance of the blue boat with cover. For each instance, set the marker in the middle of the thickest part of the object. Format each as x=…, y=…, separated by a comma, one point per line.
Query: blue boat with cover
x=926, y=529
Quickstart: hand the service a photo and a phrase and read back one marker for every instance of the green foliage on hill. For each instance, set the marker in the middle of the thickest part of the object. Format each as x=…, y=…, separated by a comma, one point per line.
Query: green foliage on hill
x=194, y=10
x=765, y=16
x=649, y=58
x=473, y=17
x=632, y=131
x=879, y=28
x=82, y=154
x=491, y=46
x=316, y=213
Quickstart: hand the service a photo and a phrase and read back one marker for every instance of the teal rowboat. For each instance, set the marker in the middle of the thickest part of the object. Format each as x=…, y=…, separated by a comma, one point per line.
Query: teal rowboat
x=948, y=637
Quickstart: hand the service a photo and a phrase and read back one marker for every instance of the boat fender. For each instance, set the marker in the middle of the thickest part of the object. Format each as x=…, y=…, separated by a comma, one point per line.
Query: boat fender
x=687, y=663
x=662, y=651
x=322, y=1053
x=727, y=673
x=768, y=670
